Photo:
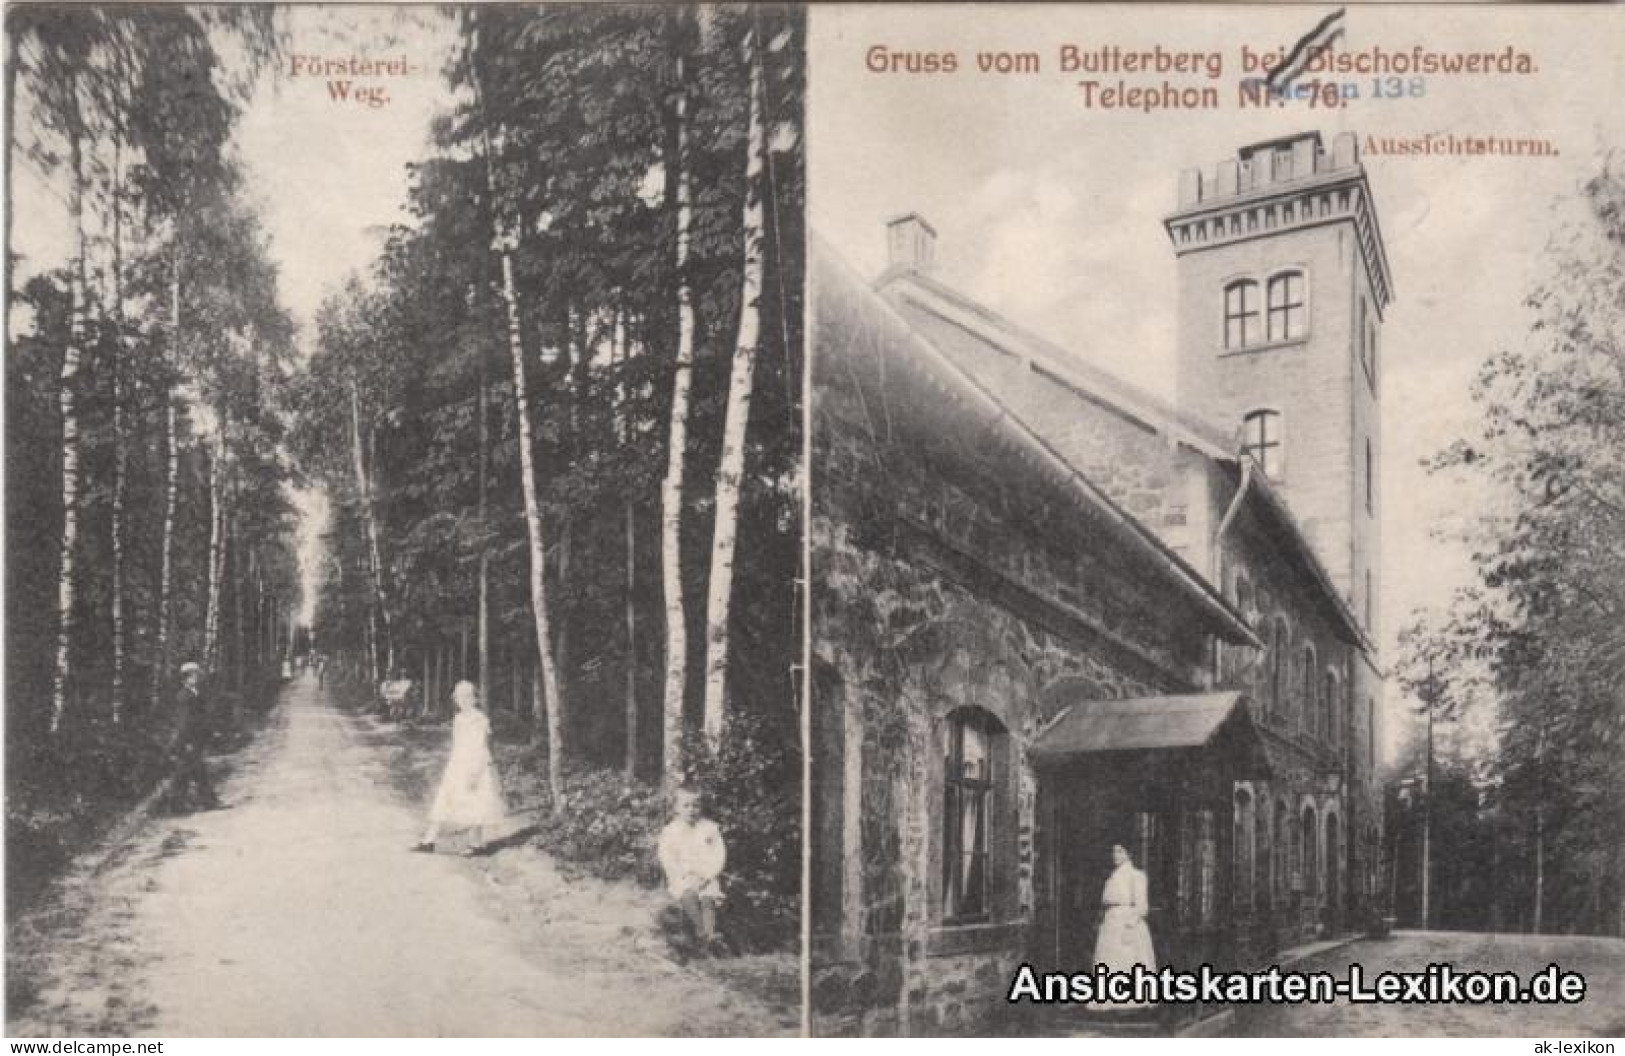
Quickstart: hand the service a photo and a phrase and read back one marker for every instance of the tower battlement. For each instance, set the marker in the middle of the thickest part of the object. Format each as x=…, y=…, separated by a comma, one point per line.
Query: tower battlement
x=1279, y=185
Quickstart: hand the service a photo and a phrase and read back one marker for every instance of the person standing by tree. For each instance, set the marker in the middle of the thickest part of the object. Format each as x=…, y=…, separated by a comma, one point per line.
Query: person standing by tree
x=187, y=742
x=692, y=854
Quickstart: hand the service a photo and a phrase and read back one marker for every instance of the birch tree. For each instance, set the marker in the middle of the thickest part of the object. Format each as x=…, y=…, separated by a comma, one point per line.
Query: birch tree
x=504, y=243
x=731, y=471
x=65, y=48
x=369, y=520
x=172, y=474
x=671, y=490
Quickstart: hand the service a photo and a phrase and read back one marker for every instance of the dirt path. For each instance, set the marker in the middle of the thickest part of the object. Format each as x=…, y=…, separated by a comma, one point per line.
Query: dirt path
x=300, y=912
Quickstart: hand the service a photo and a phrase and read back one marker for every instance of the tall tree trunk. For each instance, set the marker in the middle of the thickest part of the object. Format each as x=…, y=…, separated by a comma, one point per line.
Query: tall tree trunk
x=505, y=240
x=671, y=489
x=625, y=432
x=1540, y=870
x=217, y=549
x=378, y=610
x=385, y=623
x=731, y=470
x=120, y=457
x=538, y=545
x=69, y=379
x=563, y=658
x=485, y=557
x=631, y=622
x=172, y=476
x=240, y=660
x=425, y=689
x=259, y=609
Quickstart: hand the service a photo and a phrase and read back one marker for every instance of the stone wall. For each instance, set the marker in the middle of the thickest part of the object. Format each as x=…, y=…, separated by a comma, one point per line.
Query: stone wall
x=1313, y=766
x=931, y=596
x=940, y=584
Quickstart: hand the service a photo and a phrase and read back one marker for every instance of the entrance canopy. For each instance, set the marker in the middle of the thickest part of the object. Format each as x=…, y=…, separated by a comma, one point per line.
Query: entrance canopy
x=1193, y=721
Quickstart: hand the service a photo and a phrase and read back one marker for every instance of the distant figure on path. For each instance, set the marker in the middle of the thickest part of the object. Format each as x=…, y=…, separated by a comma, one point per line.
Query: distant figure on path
x=470, y=794
x=395, y=693
x=193, y=785
x=692, y=854
x=1125, y=939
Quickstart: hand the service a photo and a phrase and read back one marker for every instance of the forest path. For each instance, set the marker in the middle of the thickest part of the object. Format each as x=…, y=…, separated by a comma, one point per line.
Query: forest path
x=300, y=911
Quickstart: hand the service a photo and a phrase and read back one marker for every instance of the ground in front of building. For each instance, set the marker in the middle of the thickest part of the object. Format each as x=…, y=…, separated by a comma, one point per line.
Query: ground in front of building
x=1600, y=960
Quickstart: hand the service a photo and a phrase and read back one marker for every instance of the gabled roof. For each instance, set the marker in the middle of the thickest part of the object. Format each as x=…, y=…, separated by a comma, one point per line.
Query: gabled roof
x=1296, y=549
x=1019, y=364
x=915, y=395
x=977, y=323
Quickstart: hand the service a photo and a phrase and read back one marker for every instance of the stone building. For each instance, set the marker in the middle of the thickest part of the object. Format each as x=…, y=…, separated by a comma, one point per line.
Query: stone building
x=1053, y=613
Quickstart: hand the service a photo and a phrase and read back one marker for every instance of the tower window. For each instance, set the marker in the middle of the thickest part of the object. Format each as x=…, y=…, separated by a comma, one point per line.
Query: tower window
x=1241, y=314
x=1261, y=439
x=1365, y=336
x=1287, y=318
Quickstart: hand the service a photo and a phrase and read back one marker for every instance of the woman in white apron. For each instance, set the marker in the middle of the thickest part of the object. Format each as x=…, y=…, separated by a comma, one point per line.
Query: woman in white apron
x=1124, y=939
x=470, y=794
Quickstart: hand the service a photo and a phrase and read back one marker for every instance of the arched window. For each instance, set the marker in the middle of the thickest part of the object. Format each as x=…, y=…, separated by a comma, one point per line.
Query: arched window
x=970, y=761
x=1332, y=708
x=1241, y=314
x=1242, y=848
x=1287, y=316
x=1237, y=662
x=1308, y=709
x=1333, y=863
x=1264, y=844
x=1283, y=849
x=1309, y=851
x=1280, y=665
x=1261, y=439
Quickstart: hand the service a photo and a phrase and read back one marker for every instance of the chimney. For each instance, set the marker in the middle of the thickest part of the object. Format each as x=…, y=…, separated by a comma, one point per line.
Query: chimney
x=910, y=243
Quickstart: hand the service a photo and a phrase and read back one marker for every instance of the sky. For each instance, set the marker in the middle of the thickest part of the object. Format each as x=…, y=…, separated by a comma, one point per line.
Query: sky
x=1051, y=212
x=328, y=177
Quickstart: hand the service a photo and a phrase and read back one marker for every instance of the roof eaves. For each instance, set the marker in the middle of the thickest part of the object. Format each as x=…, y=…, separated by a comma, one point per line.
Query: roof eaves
x=1276, y=505
x=1192, y=582
x=1047, y=358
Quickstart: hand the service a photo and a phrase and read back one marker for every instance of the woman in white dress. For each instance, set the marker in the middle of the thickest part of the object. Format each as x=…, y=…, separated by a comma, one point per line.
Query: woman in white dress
x=1124, y=939
x=470, y=794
